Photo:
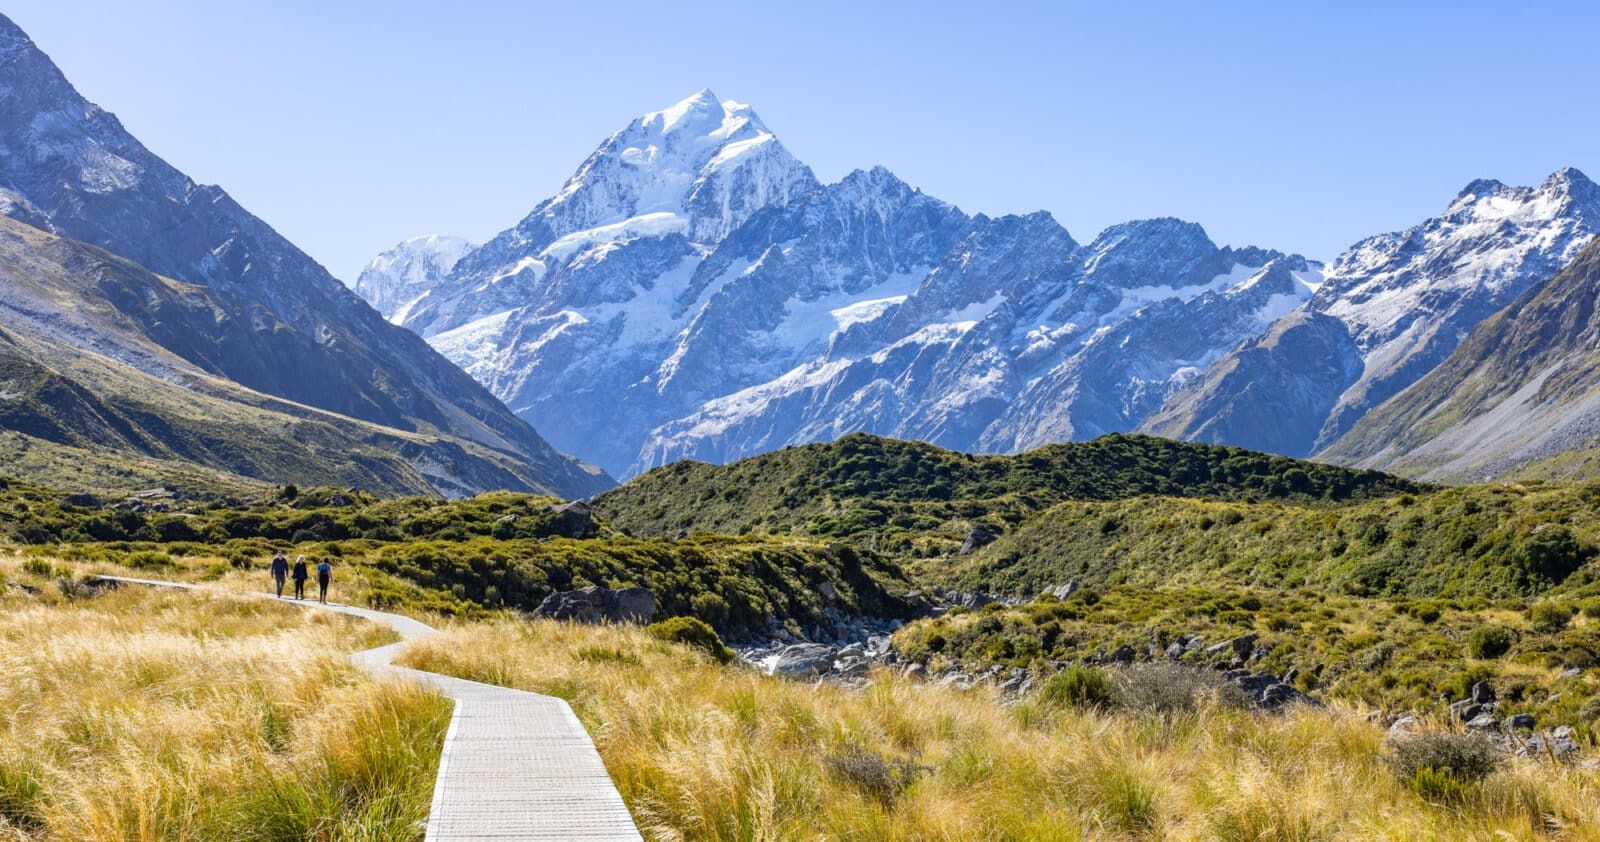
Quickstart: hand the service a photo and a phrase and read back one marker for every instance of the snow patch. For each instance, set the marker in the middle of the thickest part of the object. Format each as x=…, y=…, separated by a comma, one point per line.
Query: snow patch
x=658, y=224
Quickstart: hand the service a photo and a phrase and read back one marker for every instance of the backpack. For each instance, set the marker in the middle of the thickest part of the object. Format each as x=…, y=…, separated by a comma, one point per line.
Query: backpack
x=324, y=569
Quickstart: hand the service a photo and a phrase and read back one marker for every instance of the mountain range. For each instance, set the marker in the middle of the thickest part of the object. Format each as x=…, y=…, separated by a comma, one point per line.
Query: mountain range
x=129, y=279
x=693, y=291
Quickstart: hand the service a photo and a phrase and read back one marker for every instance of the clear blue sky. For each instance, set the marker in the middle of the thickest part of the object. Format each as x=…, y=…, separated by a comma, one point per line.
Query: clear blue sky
x=1298, y=126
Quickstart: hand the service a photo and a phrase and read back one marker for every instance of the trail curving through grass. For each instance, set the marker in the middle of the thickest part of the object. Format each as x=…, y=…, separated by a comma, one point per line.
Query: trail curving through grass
x=515, y=765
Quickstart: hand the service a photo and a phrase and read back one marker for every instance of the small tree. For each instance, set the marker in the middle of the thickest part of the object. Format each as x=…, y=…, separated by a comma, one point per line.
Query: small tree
x=1490, y=642
x=1550, y=617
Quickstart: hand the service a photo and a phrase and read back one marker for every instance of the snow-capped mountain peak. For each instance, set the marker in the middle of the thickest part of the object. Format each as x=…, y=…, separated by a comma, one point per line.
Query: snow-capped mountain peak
x=709, y=163
x=669, y=186
x=394, y=281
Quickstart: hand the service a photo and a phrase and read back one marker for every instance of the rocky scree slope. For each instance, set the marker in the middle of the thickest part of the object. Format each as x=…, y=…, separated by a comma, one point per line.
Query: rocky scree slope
x=1522, y=388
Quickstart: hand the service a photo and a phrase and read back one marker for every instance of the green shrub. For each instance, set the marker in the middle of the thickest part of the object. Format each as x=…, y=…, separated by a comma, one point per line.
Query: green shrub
x=38, y=567
x=1490, y=641
x=1078, y=686
x=1550, y=617
x=871, y=773
x=148, y=560
x=1173, y=689
x=1426, y=612
x=21, y=794
x=1591, y=609
x=1280, y=623
x=692, y=631
x=1440, y=766
x=606, y=655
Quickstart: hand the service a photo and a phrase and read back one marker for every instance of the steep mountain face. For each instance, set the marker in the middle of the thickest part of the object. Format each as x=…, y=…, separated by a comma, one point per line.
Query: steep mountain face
x=680, y=178
x=1523, y=387
x=1402, y=303
x=694, y=292
x=106, y=370
x=397, y=279
x=282, y=325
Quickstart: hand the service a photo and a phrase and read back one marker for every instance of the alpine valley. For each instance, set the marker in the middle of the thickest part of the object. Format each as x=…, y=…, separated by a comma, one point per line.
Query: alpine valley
x=693, y=291
x=934, y=525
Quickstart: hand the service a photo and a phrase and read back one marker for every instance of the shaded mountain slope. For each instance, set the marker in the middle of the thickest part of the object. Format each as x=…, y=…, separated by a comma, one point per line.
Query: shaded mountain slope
x=282, y=324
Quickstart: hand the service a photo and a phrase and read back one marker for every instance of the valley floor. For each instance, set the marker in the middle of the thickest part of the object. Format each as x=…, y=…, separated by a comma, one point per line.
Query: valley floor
x=138, y=715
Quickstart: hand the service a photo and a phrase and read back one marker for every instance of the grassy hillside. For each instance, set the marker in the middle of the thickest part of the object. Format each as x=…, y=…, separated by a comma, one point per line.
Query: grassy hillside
x=1493, y=541
x=899, y=491
x=1386, y=654
x=494, y=551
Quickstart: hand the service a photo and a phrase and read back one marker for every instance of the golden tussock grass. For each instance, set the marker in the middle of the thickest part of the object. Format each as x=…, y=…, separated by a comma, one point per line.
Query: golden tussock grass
x=146, y=715
x=705, y=752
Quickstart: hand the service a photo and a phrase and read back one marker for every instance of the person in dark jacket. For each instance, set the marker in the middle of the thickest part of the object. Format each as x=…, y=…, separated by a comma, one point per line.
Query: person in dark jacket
x=324, y=578
x=300, y=576
x=280, y=572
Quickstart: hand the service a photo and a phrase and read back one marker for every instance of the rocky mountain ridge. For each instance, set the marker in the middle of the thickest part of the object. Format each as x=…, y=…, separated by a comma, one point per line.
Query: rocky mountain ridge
x=279, y=324
x=694, y=292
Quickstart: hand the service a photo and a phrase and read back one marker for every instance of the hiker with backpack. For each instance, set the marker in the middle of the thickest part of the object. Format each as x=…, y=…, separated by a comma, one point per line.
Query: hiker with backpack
x=300, y=576
x=280, y=571
x=324, y=578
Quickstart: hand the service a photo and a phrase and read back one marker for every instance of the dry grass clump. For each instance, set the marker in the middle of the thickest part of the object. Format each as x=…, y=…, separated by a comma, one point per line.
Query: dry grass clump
x=137, y=714
x=707, y=752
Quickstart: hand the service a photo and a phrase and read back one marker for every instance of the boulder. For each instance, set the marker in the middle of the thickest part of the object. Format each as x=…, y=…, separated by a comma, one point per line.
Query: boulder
x=827, y=591
x=599, y=605
x=1519, y=722
x=852, y=666
x=1465, y=710
x=1483, y=722
x=1482, y=692
x=976, y=539
x=1064, y=591
x=803, y=659
x=1569, y=673
x=1558, y=743
x=1123, y=654
x=1266, y=691
x=974, y=600
x=1403, y=724
x=574, y=519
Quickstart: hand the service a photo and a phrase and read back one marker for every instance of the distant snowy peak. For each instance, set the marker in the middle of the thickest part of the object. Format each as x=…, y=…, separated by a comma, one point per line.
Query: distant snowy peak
x=676, y=181
x=708, y=162
x=1397, y=305
x=1493, y=240
x=397, y=279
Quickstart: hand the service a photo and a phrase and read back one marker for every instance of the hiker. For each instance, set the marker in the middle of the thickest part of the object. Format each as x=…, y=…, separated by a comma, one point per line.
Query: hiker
x=300, y=577
x=324, y=577
x=280, y=571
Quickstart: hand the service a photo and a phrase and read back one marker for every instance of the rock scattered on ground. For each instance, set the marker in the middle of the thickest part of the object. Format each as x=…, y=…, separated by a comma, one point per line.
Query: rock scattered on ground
x=599, y=605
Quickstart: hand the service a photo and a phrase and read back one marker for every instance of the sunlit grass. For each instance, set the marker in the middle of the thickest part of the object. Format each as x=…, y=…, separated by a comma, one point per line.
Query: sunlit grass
x=706, y=752
x=139, y=714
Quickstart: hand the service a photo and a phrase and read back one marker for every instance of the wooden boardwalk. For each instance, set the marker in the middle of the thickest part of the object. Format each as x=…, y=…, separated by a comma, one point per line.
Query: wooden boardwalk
x=515, y=765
